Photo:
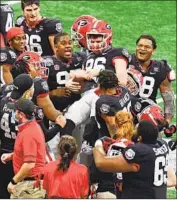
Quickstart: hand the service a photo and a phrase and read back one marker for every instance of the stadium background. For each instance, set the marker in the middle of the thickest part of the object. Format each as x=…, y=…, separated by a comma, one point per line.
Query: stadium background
x=129, y=19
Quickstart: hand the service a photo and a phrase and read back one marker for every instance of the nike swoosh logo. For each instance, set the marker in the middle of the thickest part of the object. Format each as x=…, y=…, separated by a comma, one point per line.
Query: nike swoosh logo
x=75, y=65
x=37, y=31
x=152, y=73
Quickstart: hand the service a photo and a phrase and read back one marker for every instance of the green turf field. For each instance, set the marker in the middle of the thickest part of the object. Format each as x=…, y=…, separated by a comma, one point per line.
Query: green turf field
x=129, y=19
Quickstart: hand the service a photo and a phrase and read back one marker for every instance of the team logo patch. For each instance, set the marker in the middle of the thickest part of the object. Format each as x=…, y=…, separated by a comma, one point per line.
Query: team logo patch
x=45, y=86
x=58, y=27
x=138, y=106
x=3, y=57
x=82, y=22
x=129, y=154
x=48, y=62
x=56, y=67
x=125, y=53
x=104, y=108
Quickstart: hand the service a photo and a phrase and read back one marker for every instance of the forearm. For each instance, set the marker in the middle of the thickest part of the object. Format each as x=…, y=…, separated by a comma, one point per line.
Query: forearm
x=169, y=104
x=49, y=133
x=23, y=172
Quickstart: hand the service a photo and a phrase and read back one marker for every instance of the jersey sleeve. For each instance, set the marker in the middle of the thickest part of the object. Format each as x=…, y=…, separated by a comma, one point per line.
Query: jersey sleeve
x=40, y=88
x=7, y=56
x=121, y=53
x=170, y=73
x=53, y=26
x=137, y=153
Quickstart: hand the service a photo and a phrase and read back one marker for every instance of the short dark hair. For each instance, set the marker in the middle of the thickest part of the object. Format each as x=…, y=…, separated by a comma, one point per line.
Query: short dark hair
x=67, y=149
x=148, y=131
x=149, y=37
x=108, y=79
x=58, y=36
x=20, y=67
x=25, y=3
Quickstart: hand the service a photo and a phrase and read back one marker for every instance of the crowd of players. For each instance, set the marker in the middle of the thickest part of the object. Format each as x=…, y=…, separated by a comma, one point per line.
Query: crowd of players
x=75, y=88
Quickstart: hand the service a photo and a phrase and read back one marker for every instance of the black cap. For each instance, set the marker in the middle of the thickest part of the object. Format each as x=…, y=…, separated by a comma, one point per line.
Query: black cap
x=26, y=106
x=22, y=83
x=107, y=105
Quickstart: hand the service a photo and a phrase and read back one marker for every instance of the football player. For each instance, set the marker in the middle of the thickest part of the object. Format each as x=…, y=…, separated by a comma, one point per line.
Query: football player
x=6, y=16
x=157, y=74
x=16, y=42
x=102, y=56
x=113, y=98
x=31, y=63
x=141, y=163
x=60, y=66
x=39, y=30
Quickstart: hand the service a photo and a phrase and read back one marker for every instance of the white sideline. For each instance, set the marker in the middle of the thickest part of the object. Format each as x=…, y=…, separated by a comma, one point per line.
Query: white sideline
x=10, y=2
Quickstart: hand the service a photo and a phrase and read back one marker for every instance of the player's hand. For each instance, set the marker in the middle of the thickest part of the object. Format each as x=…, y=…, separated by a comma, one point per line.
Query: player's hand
x=6, y=157
x=11, y=188
x=61, y=120
x=106, y=142
x=73, y=86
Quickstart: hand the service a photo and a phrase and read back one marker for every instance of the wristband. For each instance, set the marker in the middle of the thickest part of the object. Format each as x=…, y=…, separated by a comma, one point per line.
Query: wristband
x=13, y=182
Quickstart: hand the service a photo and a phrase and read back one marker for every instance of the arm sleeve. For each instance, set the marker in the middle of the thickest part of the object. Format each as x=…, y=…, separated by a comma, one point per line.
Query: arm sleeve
x=49, y=134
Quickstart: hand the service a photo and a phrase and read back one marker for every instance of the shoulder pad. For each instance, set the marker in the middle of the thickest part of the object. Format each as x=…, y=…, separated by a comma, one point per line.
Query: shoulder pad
x=20, y=20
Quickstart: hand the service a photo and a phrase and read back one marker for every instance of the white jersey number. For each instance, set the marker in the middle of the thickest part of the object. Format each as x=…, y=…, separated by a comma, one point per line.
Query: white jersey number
x=147, y=87
x=5, y=126
x=32, y=43
x=160, y=171
x=98, y=63
x=62, y=77
x=9, y=22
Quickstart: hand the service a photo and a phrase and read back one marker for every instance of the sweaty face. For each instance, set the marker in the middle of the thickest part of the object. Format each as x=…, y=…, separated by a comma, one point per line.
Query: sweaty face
x=95, y=43
x=144, y=50
x=64, y=48
x=18, y=42
x=31, y=13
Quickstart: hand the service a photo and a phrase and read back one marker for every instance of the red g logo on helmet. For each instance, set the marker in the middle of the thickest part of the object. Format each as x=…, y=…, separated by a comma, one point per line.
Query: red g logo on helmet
x=35, y=60
x=79, y=29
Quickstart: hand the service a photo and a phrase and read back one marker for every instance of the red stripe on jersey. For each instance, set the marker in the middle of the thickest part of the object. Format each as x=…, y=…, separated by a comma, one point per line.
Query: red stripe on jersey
x=118, y=57
x=42, y=95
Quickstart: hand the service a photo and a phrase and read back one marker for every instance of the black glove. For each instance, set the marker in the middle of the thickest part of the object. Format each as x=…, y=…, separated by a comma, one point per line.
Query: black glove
x=168, y=131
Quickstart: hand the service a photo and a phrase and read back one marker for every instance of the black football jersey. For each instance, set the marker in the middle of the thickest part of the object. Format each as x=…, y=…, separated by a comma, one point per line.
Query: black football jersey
x=157, y=72
x=9, y=126
x=38, y=38
x=59, y=71
x=40, y=89
x=112, y=103
x=7, y=17
x=103, y=61
x=150, y=181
